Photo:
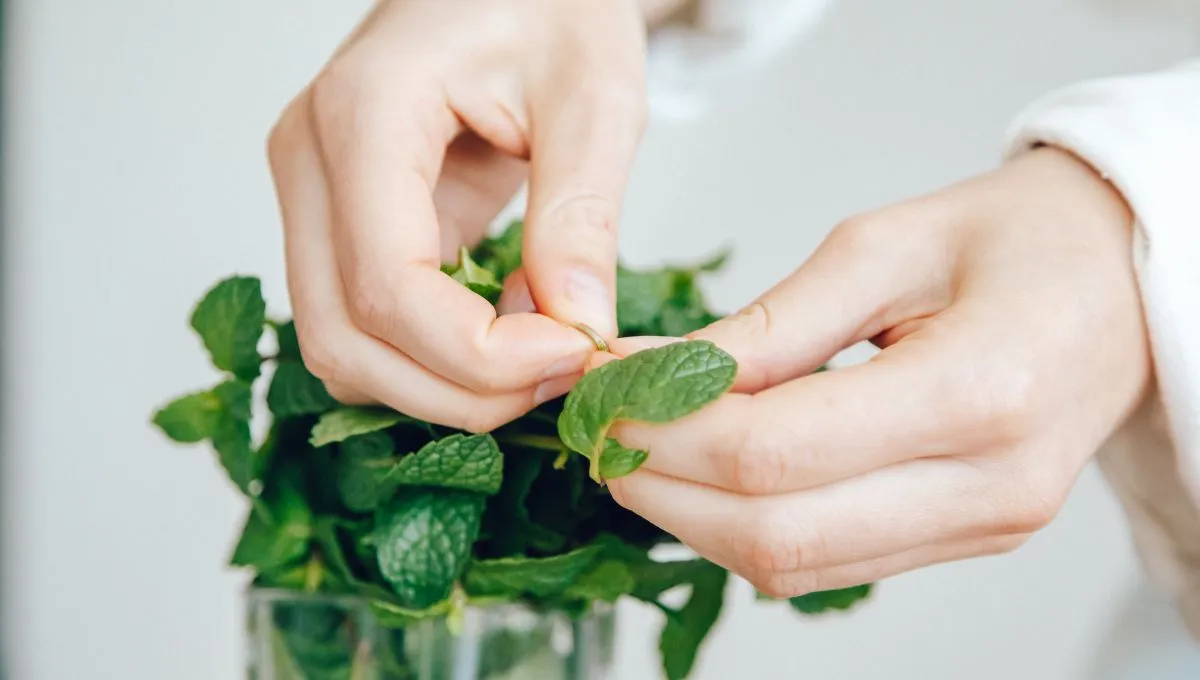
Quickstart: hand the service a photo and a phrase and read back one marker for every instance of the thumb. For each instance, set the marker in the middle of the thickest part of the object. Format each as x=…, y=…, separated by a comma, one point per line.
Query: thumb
x=854, y=287
x=581, y=152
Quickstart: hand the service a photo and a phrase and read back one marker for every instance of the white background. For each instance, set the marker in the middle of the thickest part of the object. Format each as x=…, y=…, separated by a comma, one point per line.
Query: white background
x=137, y=178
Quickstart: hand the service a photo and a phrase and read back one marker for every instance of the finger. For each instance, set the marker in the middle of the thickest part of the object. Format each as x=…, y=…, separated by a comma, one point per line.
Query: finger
x=884, y=513
x=582, y=149
x=515, y=299
x=384, y=168
x=794, y=584
x=868, y=274
x=332, y=347
x=914, y=401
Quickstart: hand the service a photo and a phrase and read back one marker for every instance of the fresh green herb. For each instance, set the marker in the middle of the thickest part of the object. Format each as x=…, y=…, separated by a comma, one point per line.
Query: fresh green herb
x=422, y=521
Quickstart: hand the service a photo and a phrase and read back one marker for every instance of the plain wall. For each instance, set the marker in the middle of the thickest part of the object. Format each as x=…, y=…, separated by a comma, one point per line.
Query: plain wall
x=136, y=178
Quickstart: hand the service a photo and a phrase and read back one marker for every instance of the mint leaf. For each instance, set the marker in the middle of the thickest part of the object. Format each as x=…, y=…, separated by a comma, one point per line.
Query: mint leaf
x=608, y=580
x=655, y=385
x=296, y=392
x=231, y=437
x=479, y=280
x=289, y=344
x=827, y=600
x=230, y=322
x=687, y=628
x=191, y=418
x=540, y=577
x=640, y=299
x=362, y=469
x=394, y=616
x=424, y=539
x=471, y=463
x=501, y=254
x=343, y=423
x=267, y=545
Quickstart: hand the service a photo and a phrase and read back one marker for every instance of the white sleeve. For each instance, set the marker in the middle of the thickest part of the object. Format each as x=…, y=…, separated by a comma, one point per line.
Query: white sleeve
x=714, y=42
x=1142, y=133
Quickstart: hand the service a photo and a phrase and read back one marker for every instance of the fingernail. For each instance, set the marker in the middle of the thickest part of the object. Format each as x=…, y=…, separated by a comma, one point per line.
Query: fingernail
x=568, y=365
x=553, y=389
x=591, y=299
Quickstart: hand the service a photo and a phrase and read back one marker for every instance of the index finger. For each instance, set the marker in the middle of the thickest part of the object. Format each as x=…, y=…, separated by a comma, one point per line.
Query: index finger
x=383, y=148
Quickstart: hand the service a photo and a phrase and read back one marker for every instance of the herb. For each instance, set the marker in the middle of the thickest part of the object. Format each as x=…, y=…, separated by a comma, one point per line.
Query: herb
x=422, y=521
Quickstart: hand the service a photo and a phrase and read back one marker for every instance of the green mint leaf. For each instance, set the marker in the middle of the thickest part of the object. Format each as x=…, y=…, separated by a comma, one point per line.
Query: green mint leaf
x=829, y=600
x=296, y=392
x=190, y=419
x=479, y=280
x=608, y=580
x=394, y=616
x=362, y=470
x=541, y=577
x=687, y=628
x=717, y=262
x=424, y=539
x=655, y=385
x=267, y=545
x=501, y=254
x=289, y=345
x=618, y=461
x=471, y=463
x=640, y=299
x=509, y=528
x=231, y=437
x=343, y=423
x=230, y=322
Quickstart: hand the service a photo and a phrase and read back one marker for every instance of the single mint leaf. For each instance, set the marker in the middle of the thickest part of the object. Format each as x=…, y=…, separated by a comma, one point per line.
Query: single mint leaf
x=424, y=539
x=501, y=254
x=618, y=461
x=608, y=580
x=362, y=470
x=394, y=616
x=717, y=262
x=289, y=344
x=471, y=463
x=343, y=423
x=655, y=385
x=828, y=600
x=475, y=277
x=231, y=437
x=230, y=322
x=296, y=392
x=190, y=419
x=641, y=297
x=267, y=545
x=541, y=577
x=687, y=628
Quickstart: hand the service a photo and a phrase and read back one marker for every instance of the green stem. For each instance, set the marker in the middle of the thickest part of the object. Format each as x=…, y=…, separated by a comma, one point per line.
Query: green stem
x=534, y=441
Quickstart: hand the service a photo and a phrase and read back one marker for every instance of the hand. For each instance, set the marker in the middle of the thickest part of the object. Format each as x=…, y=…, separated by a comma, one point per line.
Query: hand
x=1012, y=345
x=406, y=146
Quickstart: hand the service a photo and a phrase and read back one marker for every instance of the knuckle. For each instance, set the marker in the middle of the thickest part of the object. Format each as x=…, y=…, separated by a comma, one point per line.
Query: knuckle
x=591, y=215
x=775, y=543
x=372, y=308
x=780, y=586
x=320, y=355
x=760, y=466
x=481, y=420
x=1033, y=499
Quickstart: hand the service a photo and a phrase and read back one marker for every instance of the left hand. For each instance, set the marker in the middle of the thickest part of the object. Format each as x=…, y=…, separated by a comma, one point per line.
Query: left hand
x=1013, y=345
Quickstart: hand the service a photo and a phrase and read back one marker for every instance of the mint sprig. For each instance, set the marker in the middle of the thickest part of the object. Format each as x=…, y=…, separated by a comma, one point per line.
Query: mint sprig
x=422, y=520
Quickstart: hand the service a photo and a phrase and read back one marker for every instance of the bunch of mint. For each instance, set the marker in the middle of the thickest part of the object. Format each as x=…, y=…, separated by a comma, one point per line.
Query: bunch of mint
x=422, y=520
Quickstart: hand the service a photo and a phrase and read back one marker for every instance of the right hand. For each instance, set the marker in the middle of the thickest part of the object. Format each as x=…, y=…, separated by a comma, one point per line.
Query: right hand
x=406, y=146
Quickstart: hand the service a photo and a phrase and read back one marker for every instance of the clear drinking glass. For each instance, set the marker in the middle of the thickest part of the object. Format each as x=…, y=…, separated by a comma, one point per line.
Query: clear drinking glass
x=297, y=636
